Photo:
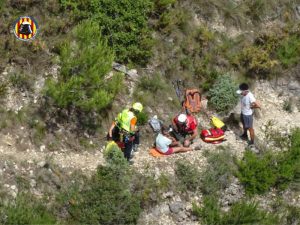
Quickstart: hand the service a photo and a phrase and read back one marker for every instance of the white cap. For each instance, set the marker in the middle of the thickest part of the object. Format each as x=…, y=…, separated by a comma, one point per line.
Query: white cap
x=182, y=118
x=155, y=117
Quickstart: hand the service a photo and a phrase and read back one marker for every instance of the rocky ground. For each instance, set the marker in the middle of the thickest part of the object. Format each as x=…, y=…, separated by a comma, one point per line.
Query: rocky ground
x=174, y=210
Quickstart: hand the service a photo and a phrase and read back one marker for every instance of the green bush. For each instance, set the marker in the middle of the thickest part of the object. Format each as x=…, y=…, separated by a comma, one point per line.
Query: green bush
x=257, y=174
x=25, y=209
x=260, y=173
x=107, y=197
x=84, y=64
x=188, y=175
x=288, y=52
x=222, y=96
x=124, y=24
x=142, y=118
x=219, y=172
x=239, y=213
x=210, y=213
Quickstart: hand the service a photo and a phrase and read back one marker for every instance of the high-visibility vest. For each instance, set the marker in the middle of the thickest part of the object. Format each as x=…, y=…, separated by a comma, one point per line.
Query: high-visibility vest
x=124, y=119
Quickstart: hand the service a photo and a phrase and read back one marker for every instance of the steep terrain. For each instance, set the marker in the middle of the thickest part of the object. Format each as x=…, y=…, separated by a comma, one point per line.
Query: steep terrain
x=59, y=94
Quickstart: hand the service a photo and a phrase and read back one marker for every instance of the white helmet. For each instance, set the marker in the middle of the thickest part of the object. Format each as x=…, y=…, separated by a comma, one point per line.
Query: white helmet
x=182, y=118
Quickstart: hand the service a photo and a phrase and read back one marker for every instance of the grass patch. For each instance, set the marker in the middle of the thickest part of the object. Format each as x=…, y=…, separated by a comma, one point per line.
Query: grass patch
x=25, y=209
x=288, y=52
x=188, y=175
x=219, y=172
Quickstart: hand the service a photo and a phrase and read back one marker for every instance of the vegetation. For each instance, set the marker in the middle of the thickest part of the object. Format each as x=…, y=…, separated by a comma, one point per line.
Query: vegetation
x=188, y=176
x=218, y=173
x=289, y=51
x=260, y=173
x=125, y=25
x=169, y=39
x=25, y=209
x=222, y=96
x=240, y=213
x=84, y=65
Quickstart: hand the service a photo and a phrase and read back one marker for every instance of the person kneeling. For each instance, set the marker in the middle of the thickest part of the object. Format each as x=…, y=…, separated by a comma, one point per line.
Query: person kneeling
x=167, y=145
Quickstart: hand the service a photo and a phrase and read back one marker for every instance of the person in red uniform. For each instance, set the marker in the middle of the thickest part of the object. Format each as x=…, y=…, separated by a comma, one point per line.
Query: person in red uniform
x=185, y=129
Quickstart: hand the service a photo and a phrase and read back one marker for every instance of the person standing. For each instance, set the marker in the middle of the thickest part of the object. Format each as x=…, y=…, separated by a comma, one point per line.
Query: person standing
x=124, y=128
x=248, y=103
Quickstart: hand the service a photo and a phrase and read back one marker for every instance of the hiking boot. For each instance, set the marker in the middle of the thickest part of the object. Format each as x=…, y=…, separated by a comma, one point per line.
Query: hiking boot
x=244, y=137
x=250, y=143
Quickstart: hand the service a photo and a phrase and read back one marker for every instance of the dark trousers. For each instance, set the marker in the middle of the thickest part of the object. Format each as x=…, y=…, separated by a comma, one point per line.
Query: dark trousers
x=126, y=139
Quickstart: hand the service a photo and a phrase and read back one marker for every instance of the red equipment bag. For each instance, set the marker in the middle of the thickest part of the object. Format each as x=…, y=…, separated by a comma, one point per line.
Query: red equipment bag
x=213, y=135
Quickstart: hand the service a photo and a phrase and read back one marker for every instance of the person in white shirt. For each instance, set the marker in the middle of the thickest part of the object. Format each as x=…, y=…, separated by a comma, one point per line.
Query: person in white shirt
x=167, y=145
x=248, y=103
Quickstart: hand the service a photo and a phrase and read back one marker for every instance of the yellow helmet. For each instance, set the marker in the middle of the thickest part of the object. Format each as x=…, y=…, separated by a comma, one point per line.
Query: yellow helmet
x=137, y=106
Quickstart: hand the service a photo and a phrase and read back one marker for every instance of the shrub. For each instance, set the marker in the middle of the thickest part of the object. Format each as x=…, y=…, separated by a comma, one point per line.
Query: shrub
x=259, y=173
x=219, y=172
x=84, y=64
x=257, y=61
x=107, y=198
x=240, y=213
x=25, y=209
x=222, y=96
x=287, y=106
x=288, y=52
x=249, y=213
x=123, y=24
x=210, y=213
x=142, y=118
x=188, y=175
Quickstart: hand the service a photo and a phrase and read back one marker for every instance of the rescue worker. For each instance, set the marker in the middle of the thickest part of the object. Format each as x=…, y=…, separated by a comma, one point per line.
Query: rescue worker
x=185, y=129
x=123, y=129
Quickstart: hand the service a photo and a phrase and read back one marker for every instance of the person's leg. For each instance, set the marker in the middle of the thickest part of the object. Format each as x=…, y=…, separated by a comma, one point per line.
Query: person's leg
x=128, y=148
x=251, y=130
x=181, y=149
x=136, y=141
x=244, y=135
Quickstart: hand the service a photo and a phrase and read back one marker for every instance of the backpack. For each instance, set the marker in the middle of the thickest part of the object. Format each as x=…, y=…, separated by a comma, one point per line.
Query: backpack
x=213, y=135
x=155, y=124
x=192, y=101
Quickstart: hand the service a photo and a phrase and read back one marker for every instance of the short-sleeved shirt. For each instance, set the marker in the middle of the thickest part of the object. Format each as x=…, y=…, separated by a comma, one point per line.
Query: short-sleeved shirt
x=189, y=126
x=162, y=143
x=246, y=102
